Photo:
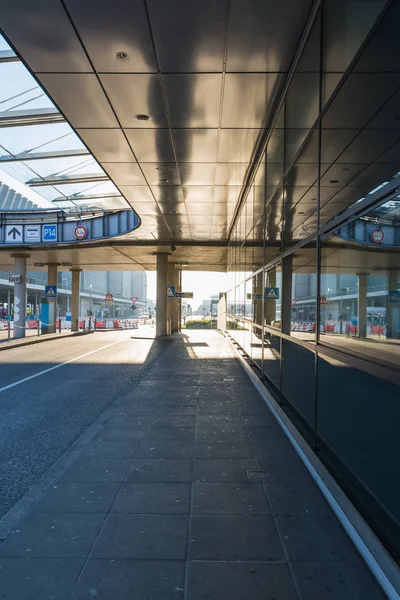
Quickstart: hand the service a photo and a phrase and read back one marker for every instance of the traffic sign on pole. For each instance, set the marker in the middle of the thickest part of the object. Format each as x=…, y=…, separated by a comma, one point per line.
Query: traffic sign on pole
x=171, y=291
x=14, y=234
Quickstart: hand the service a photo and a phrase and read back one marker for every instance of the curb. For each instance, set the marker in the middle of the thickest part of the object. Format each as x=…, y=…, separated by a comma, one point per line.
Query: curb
x=39, y=340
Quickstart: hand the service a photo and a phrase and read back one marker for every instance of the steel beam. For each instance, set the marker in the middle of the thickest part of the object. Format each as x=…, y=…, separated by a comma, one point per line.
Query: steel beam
x=59, y=180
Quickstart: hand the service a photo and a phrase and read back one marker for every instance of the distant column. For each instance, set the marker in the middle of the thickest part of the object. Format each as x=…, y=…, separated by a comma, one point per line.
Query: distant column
x=286, y=302
x=20, y=296
x=362, y=304
x=162, y=282
x=171, y=303
x=75, y=298
x=393, y=310
x=52, y=280
x=177, y=303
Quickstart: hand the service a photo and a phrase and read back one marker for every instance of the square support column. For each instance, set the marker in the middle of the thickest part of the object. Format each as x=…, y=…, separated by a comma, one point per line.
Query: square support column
x=362, y=304
x=52, y=280
x=20, y=297
x=177, y=302
x=286, y=302
x=75, y=299
x=161, y=307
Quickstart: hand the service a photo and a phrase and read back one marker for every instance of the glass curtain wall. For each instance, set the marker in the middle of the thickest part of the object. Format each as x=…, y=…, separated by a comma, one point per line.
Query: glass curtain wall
x=314, y=254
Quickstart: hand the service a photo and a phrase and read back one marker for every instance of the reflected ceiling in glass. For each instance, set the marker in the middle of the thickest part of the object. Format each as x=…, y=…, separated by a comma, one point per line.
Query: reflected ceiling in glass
x=39, y=151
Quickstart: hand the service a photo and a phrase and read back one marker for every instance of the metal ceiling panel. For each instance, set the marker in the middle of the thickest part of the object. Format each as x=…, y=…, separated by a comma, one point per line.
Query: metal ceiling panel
x=189, y=35
x=370, y=144
x=334, y=141
x=196, y=145
x=376, y=174
x=44, y=36
x=359, y=99
x=230, y=173
x=389, y=115
x=110, y=27
x=81, y=97
x=124, y=173
x=261, y=37
x=198, y=194
x=237, y=145
x=161, y=173
x=226, y=193
x=136, y=193
x=194, y=99
x=302, y=175
x=145, y=208
x=151, y=145
x=391, y=156
x=172, y=208
x=134, y=94
x=108, y=145
x=168, y=193
x=203, y=209
x=340, y=174
x=197, y=173
x=256, y=92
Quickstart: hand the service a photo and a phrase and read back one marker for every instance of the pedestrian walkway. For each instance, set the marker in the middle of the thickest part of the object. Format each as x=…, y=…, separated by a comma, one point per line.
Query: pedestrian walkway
x=190, y=491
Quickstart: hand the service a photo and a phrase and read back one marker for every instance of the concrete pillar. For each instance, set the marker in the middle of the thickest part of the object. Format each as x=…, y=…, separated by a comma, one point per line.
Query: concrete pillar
x=20, y=296
x=286, y=302
x=177, y=303
x=75, y=298
x=362, y=304
x=52, y=280
x=162, y=282
x=393, y=309
x=221, y=319
x=270, y=305
x=171, y=302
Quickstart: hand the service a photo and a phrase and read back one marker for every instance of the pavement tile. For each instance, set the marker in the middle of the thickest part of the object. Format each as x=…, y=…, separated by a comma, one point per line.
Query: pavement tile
x=176, y=409
x=69, y=497
x=169, y=470
x=162, y=449
x=266, y=419
x=234, y=537
x=111, y=449
x=157, y=537
x=131, y=580
x=96, y=469
x=203, y=420
x=222, y=470
x=331, y=580
x=315, y=538
x=226, y=449
x=230, y=499
x=297, y=496
x=220, y=432
x=148, y=498
x=169, y=433
x=240, y=581
x=131, y=420
x=176, y=420
x=119, y=433
x=179, y=398
x=38, y=578
x=53, y=536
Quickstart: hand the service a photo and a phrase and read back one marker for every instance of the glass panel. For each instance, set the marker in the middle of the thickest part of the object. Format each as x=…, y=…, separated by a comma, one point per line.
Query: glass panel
x=300, y=304
x=273, y=297
x=360, y=284
x=272, y=359
x=298, y=383
x=358, y=417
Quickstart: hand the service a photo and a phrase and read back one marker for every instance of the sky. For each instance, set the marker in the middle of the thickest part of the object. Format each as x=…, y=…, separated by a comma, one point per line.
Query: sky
x=202, y=283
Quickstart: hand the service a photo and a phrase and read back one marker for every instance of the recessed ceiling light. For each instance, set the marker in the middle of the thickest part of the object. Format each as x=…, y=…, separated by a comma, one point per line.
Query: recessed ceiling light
x=300, y=213
x=142, y=117
x=163, y=181
x=121, y=55
x=345, y=169
x=334, y=181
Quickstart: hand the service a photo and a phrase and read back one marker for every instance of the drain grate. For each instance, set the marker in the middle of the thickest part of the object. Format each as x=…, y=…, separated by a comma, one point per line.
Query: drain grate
x=258, y=476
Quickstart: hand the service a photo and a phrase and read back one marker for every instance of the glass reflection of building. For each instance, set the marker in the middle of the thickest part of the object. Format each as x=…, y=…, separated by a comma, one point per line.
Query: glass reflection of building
x=321, y=226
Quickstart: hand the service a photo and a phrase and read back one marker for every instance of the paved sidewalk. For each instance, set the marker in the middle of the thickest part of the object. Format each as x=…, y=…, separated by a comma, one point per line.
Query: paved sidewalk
x=167, y=501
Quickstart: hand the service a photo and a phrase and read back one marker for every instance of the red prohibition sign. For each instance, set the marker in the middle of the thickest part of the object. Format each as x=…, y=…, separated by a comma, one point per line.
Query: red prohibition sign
x=80, y=232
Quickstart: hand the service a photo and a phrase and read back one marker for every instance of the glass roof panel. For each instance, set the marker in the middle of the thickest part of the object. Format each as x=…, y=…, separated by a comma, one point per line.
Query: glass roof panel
x=26, y=139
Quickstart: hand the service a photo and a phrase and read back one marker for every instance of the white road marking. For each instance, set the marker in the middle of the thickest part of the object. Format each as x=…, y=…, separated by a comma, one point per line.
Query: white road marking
x=67, y=362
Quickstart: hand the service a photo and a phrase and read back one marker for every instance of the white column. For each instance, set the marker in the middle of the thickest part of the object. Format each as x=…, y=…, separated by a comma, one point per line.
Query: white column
x=75, y=298
x=161, y=308
x=52, y=280
x=362, y=304
x=286, y=302
x=177, y=302
x=20, y=297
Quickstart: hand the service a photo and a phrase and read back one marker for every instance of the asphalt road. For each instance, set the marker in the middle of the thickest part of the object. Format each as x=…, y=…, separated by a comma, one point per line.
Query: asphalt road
x=42, y=417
